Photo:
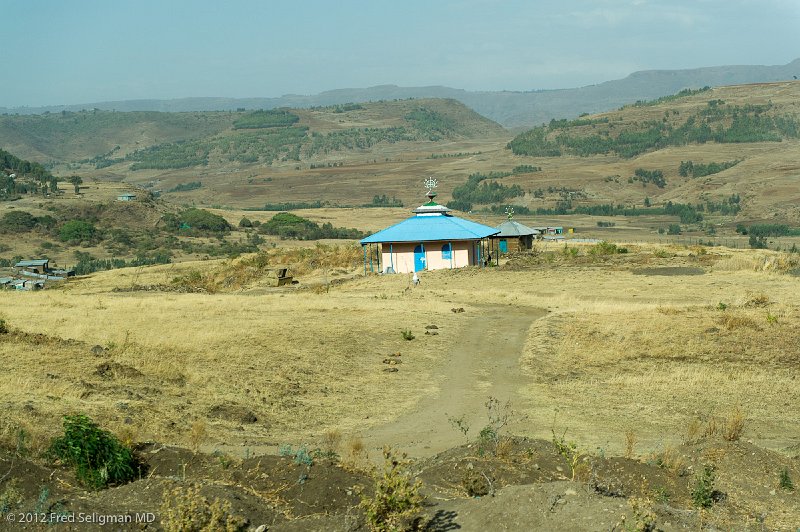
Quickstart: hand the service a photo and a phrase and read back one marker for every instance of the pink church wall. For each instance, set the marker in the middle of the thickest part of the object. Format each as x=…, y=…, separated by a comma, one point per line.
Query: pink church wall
x=401, y=258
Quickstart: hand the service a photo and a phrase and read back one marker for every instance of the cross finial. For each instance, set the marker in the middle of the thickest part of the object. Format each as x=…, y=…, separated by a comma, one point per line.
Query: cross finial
x=510, y=212
x=430, y=184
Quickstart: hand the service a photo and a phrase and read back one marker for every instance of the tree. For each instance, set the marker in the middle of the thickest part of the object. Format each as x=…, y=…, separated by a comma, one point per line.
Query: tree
x=76, y=182
x=203, y=220
x=77, y=231
x=758, y=242
x=17, y=221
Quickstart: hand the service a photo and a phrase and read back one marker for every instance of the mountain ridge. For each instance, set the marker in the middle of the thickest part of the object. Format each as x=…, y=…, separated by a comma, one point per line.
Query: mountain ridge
x=511, y=109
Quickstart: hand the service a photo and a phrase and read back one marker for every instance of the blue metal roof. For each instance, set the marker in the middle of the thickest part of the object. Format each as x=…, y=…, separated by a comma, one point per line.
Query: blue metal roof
x=431, y=227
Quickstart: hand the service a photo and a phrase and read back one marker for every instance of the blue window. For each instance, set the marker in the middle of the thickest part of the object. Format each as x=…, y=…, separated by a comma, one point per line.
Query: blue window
x=447, y=252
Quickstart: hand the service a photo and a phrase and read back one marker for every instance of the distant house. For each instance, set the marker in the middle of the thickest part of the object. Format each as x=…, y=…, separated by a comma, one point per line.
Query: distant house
x=126, y=197
x=21, y=284
x=433, y=239
x=514, y=236
x=550, y=231
x=40, y=266
x=30, y=284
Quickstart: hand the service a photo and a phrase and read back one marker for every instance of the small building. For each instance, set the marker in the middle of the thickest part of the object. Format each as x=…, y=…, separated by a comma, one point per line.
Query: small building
x=62, y=273
x=432, y=239
x=126, y=197
x=25, y=284
x=550, y=231
x=514, y=236
x=39, y=266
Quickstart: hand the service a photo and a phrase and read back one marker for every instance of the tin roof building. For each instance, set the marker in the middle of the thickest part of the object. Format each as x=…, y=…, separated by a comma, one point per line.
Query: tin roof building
x=514, y=236
x=432, y=239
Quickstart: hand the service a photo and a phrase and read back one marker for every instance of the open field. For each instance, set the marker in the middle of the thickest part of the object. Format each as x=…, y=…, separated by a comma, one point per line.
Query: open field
x=605, y=349
x=658, y=342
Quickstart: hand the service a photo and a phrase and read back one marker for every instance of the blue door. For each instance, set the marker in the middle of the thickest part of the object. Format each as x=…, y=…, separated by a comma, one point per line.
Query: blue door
x=503, y=246
x=419, y=258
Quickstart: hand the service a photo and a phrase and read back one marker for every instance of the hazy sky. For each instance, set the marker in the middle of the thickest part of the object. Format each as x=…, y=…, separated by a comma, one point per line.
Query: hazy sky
x=82, y=51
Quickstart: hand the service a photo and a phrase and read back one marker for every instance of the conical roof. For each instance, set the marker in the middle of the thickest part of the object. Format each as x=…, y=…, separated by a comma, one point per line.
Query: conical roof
x=427, y=227
x=431, y=222
x=511, y=228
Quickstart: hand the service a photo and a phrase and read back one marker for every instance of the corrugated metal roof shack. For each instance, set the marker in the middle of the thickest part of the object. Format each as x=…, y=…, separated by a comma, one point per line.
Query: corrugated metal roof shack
x=432, y=239
x=514, y=236
x=40, y=266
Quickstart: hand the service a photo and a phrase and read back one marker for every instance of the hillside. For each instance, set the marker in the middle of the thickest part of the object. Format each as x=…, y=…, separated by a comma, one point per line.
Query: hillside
x=174, y=140
x=697, y=146
x=729, y=153
x=743, y=145
x=72, y=136
x=512, y=109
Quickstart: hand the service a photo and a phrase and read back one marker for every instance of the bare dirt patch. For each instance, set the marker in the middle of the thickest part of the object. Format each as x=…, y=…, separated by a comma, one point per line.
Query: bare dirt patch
x=669, y=271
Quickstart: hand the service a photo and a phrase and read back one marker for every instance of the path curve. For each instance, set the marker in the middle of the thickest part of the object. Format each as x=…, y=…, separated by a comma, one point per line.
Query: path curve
x=483, y=362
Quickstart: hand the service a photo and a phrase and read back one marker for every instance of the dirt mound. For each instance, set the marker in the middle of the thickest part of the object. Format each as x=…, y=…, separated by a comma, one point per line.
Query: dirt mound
x=114, y=370
x=237, y=413
x=510, y=484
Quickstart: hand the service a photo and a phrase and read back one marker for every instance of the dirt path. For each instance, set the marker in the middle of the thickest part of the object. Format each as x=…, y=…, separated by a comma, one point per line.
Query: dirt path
x=483, y=363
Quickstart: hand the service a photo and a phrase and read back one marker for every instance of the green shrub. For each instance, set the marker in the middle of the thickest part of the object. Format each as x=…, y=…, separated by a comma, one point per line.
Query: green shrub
x=288, y=225
x=703, y=491
x=186, y=510
x=99, y=458
x=18, y=221
x=407, y=335
x=396, y=503
x=3, y=326
x=604, y=248
x=785, y=481
x=203, y=220
x=567, y=449
x=757, y=242
x=77, y=231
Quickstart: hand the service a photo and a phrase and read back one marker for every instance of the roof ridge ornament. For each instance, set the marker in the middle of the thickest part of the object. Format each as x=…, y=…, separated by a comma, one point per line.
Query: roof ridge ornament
x=510, y=212
x=430, y=184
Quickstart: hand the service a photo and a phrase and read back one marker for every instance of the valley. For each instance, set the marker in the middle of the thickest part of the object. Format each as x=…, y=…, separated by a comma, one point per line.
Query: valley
x=640, y=373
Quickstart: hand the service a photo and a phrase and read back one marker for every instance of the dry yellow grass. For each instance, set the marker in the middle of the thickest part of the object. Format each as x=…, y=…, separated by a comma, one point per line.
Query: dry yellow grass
x=617, y=351
x=302, y=363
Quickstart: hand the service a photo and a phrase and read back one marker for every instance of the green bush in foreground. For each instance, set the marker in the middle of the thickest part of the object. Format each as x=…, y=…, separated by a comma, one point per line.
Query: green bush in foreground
x=703, y=490
x=99, y=458
x=396, y=504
